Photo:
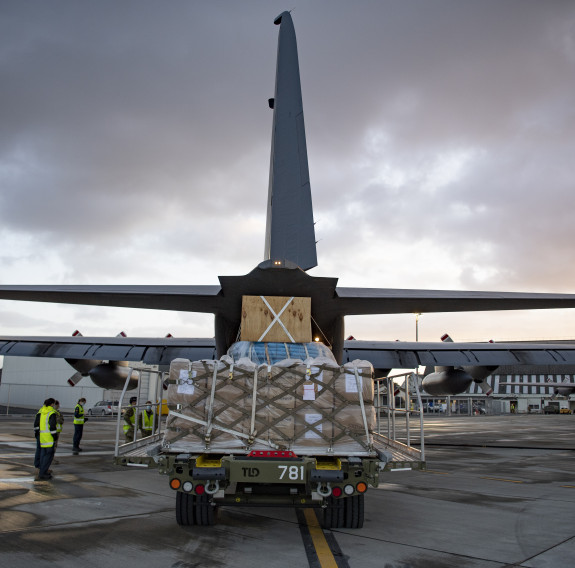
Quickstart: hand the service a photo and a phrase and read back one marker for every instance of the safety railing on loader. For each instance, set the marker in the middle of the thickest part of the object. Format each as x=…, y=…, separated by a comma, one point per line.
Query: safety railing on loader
x=157, y=423
x=389, y=414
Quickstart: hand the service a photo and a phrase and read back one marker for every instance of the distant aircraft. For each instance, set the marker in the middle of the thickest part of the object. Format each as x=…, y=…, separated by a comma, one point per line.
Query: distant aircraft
x=290, y=251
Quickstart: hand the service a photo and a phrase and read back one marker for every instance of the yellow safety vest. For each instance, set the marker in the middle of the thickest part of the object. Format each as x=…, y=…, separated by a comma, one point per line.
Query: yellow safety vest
x=46, y=435
x=147, y=420
x=58, y=425
x=131, y=418
x=80, y=412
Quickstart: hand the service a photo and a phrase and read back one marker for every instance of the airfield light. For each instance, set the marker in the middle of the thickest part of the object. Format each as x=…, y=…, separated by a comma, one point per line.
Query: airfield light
x=175, y=483
x=348, y=490
x=361, y=487
x=336, y=491
x=200, y=489
x=187, y=486
x=316, y=338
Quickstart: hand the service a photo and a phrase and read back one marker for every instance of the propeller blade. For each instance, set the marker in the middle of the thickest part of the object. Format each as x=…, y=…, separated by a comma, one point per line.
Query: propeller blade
x=75, y=379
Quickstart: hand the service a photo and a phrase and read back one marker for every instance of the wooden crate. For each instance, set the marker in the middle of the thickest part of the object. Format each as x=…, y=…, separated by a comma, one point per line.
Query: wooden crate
x=260, y=323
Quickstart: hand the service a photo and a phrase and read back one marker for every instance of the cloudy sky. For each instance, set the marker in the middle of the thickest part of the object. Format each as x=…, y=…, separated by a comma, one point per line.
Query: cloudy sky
x=135, y=136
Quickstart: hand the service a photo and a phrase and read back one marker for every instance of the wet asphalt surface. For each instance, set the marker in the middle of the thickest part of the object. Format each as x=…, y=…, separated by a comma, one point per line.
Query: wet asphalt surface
x=499, y=491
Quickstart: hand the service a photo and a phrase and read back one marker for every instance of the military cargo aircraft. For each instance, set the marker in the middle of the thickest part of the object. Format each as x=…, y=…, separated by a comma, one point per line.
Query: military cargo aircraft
x=289, y=252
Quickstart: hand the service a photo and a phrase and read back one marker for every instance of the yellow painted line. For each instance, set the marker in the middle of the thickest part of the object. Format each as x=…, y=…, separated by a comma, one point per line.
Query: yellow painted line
x=570, y=486
x=501, y=479
x=436, y=472
x=324, y=554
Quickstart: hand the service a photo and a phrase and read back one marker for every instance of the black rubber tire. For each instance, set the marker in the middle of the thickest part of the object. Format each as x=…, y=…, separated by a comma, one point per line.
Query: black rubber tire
x=328, y=515
x=333, y=514
x=205, y=512
x=185, y=509
x=360, y=511
x=354, y=511
x=348, y=512
x=339, y=513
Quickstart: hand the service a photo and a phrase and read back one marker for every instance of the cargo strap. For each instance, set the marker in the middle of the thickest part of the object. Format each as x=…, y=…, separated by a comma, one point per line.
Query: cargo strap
x=223, y=428
x=211, y=404
x=362, y=405
x=254, y=404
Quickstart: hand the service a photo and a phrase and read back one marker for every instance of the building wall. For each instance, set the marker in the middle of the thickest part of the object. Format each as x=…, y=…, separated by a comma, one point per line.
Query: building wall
x=28, y=381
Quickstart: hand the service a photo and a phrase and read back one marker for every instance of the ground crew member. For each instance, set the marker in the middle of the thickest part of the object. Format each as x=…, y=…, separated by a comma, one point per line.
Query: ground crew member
x=130, y=419
x=47, y=434
x=79, y=421
x=147, y=420
x=59, y=425
x=47, y=402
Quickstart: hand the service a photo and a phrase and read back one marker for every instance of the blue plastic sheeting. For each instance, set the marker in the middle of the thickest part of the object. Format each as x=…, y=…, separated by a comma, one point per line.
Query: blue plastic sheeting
x=270, y=353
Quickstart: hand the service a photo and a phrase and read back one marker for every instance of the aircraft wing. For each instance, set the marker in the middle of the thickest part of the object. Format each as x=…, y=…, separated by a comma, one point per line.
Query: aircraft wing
x=363, y=301
x=206, y=299
x=409, y=355
x=151, y=351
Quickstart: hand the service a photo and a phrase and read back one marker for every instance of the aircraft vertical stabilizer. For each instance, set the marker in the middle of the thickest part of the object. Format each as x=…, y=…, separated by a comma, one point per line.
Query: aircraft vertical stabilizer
x=290, y=231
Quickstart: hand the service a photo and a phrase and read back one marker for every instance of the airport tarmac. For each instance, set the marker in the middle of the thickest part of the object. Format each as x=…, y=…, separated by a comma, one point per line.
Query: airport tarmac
x=499, y=491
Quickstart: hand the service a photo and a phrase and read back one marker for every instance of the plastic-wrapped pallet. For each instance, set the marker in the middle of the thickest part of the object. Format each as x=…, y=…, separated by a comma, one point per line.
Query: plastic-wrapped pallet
x=312, y=408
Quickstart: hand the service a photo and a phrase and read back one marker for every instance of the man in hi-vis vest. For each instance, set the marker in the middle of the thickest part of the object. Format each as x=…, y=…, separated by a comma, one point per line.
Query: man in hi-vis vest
x=79, y=420
x=46, y=427
x=130, y=419
x=147, y=420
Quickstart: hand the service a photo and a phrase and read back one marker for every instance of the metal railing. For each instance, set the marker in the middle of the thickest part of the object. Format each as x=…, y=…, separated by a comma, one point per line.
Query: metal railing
x=413, y=406
x=156, y=430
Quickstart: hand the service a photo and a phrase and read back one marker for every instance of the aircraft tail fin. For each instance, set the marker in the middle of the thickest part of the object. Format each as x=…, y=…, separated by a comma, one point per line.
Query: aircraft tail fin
x=290, y=233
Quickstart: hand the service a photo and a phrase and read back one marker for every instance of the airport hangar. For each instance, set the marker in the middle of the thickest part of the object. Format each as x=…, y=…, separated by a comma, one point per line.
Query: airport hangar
x=27, y=381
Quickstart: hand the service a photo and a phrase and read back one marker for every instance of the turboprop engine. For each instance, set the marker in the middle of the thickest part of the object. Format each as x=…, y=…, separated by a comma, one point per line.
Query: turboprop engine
x=110, y=376
x=113, y=375
x=446, y=381
x=455, y=380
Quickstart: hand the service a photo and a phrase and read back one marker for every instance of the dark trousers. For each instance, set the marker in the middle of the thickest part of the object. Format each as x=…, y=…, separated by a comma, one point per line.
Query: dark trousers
x=46, y=457
x=37, y=454
x=78, y=431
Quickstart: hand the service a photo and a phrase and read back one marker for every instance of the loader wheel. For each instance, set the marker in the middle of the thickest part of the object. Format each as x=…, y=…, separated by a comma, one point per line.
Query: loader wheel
x=206, y=513
x=353, y=512
x=333, y=514
x=185, y=509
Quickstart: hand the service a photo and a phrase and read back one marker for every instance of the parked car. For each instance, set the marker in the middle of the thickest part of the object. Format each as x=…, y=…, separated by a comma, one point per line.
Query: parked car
x=103, y=408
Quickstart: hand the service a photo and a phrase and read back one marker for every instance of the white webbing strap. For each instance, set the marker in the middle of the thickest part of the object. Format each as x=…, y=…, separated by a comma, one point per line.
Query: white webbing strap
x=254, y=400
x=211, y=401
x=222, y=428
x=277, y=319
x=360, y=395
